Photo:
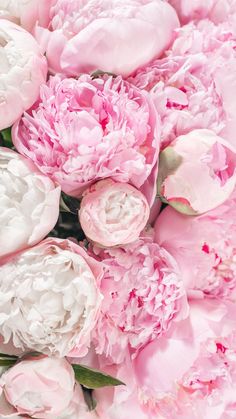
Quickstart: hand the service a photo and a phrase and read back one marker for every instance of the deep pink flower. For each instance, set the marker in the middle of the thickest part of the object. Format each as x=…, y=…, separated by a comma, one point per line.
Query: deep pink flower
x=84, y=130
x=204, y=247
x=143, y=295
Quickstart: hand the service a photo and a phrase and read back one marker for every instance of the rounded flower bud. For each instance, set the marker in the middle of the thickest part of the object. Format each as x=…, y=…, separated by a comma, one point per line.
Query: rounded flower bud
x=26, y=12
x=42, y=388
x=110, y=35
x=113, y=213
x=22, y=70
x=29, y=203
x=50, y=299
x=197, y=172
x=90, y=129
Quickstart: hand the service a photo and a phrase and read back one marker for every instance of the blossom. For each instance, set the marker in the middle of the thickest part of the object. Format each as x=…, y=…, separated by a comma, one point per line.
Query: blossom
x=113, y=213
x=26, y=12
x=42, y=388
x=215, y=10
x=109, y=35
x=50, y=298
x=197, y=172
x=193, y=86
x=204, y=247
x=29, y=203
x=143, y=295
x=83, y=130
x=202, y=382
x=22, y=70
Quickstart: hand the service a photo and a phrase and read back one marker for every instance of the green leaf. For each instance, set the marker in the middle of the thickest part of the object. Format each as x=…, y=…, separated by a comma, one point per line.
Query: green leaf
x=92, y=378
x=7, y=362
x=6, y=135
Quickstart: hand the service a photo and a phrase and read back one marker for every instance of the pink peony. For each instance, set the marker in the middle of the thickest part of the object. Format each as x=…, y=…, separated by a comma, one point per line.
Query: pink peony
x=116, y=36
x=29, y=203
x=143, y=295
x=197, y=172
x=192, y=372
x=42, y=388
x=26, y=12
x=50, y=299
x=193, y=86
x=215, y=10
x=204, y=247
x=22, y=70
x=113, y=213
x=83, y=130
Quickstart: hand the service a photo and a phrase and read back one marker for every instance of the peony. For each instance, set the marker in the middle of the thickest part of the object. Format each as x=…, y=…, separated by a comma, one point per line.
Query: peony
x=216, y=10
x=84, y=130
x=204, y=247
x=50, y=298
x=116, y=36
x=143, y=295
x=201, y=384
x=22, y=70
x=26, y=12
x=29, y=203
x=193, y=86
x=113, y=213
x=197, y=172
x=43, y=388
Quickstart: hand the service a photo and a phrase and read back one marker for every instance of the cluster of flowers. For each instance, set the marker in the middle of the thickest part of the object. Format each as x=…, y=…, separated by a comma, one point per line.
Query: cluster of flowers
x=122, y=114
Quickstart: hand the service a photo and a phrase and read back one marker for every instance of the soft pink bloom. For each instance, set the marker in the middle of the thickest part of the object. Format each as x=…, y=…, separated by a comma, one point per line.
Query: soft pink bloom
x=194, y=85
x=143, y=295
x=22, y=70
x=215, y=10
x=113, y=213
x=42, y=388
x=204, y=247
x=192, y=372
x=29, y=203
x=83, y=130
x=197, y=172
x=50, y=299
x=26, y=12
x=116, y=36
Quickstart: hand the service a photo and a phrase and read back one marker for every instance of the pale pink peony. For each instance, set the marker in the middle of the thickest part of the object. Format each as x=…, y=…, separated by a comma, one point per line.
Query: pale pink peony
x=42, y=388
x=194, y=85
x=192, y=372
x=83, y=130
x=197, y=172
x=26, y=12
x=143, y=295
x=204, y=247
x=22, y=70
x=215, y=10
x=113, y=213
x=29, y=203
x=50, y=298
x=116, y=36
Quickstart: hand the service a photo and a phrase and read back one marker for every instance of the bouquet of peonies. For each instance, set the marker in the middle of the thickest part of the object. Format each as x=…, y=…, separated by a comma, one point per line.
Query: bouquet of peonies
x=118, y=209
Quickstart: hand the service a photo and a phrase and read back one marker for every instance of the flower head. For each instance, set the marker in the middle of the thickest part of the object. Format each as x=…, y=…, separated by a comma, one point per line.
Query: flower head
x=113, y=213
x=29, y=203
x=197, y=172
x=50, y=298
x=83, y=130
x=204, y=247
x=22, y=70
x=110, y=35
x=143, y=295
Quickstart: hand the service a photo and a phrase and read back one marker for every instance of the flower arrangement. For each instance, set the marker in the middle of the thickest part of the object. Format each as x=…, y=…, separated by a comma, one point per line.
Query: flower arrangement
x=117, y=198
